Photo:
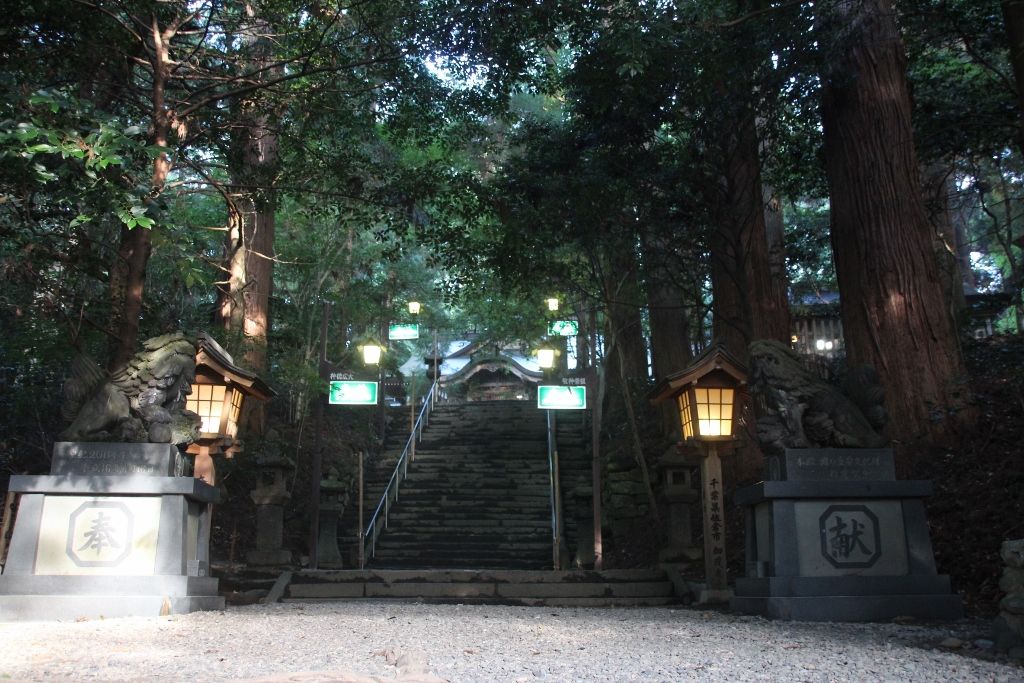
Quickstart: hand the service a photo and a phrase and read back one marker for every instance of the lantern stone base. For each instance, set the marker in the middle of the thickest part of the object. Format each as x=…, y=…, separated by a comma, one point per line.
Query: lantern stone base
x=830, y=544
x=87, y=546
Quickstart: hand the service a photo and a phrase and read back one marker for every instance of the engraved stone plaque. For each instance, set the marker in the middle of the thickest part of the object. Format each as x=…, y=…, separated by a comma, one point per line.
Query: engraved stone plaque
x=116, y=459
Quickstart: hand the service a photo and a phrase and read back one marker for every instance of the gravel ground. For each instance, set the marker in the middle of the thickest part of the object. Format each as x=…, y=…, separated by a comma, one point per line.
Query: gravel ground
x=366, y=642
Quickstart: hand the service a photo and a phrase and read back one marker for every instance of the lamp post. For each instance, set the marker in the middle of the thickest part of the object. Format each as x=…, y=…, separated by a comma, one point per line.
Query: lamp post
x=552, y=303
x=414, y=308
x=706, y=396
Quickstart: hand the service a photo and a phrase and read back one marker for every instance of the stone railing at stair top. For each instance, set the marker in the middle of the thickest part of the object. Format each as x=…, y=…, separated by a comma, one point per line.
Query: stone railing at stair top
x=379, y=520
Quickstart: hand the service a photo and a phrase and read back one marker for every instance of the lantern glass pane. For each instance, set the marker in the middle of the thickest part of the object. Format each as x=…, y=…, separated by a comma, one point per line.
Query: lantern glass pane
x=714, y=411
x=234, y=412
x=207, y=401
x=710, y=427
x=685, y=416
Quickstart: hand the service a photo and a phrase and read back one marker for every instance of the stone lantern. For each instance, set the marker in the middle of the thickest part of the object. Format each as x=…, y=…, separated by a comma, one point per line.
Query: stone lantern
x=333, y=497
x=680, y=493
x=270, y=497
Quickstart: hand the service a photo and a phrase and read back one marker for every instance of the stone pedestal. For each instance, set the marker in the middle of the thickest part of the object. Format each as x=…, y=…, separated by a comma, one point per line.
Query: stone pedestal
x=837, y=538
x=269, y=532
x=111, y=532
x=332, y=504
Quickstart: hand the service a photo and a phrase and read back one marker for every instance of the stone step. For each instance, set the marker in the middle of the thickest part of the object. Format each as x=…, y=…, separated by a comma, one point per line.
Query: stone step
x=537, y=588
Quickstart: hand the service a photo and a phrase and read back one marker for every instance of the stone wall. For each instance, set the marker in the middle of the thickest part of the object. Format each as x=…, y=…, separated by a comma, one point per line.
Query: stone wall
x=1010, y=623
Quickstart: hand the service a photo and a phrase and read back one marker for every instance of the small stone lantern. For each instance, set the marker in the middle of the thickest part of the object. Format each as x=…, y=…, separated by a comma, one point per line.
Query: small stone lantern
x=680, y=494
x=270, y=497
x=333, y=497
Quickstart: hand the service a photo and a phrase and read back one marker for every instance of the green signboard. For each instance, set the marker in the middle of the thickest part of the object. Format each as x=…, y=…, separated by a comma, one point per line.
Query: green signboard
x=399, y=331
x=556, y=397
x=353, y=393
x=564, y=328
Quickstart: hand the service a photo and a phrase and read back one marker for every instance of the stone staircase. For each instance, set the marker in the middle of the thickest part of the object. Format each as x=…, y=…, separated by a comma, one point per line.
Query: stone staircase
x=472, y=523
x=477, y=494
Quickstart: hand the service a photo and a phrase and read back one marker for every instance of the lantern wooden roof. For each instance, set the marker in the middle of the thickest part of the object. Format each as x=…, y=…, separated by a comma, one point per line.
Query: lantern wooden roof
x=213, y=362
x=715, y=359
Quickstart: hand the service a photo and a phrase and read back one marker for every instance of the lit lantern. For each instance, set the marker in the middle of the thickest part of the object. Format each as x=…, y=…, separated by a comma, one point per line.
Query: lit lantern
x=706, y=395
x=371, y=352
x=546, y=358
x=552, y=303
x=218, y=394
x=414, y=307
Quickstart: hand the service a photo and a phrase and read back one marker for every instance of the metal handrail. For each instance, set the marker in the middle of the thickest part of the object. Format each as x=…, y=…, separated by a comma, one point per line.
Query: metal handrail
x=373, y=529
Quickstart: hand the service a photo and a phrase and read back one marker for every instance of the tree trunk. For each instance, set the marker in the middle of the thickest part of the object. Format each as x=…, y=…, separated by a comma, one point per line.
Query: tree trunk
x=894, y=314
x=624, y=325
x=749, y=298
x=128, y=273
x=243, y=306
x=937, y=187
x=1013, y=17
x=667, y=311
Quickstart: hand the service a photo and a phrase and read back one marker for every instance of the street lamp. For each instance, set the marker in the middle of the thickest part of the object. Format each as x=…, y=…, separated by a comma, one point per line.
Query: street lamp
x=371, y=351
x=706, y=395
x=546, y=358
x=552, y=303
x=414, y=307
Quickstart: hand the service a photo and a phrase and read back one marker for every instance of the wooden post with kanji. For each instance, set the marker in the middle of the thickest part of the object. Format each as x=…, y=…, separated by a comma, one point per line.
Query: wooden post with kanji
x=714, y=523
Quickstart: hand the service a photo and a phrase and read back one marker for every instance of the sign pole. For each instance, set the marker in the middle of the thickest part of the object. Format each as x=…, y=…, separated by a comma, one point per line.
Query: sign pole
x=362, y=540
x=595, y=468
x=316, y=469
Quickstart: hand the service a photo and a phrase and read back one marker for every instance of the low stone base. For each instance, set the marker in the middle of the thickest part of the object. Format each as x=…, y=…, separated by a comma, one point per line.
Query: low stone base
x=862, y=598
x=714, y=596
x=268, y=558
x=46, y=598
x=853, y=607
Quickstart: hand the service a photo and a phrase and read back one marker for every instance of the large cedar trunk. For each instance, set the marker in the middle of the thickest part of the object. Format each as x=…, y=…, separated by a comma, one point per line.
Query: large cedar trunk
x=1013, y=17
x=895, y=316
x=127, y=282
x=750, y=300
x=948, y=240
x=243, y=305
x=128, y=273
x=624, y=325
x=667, y=310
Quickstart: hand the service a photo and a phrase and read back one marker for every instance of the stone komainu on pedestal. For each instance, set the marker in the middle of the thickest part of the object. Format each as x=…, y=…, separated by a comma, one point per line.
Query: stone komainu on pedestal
x=116, y=529
x=831, y=534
